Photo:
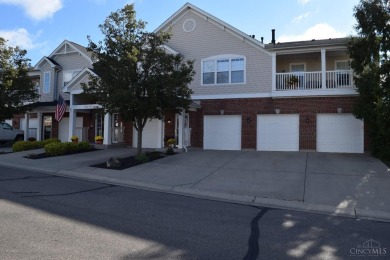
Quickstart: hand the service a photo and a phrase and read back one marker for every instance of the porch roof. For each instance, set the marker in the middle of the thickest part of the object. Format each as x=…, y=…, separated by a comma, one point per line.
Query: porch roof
x=313, y=44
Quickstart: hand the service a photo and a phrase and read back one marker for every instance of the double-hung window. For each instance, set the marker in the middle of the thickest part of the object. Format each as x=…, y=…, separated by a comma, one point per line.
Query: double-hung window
x=46, y=82
x=223, y=70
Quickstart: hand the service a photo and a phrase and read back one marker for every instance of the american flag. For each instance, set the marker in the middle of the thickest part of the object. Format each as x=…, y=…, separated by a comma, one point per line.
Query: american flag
x=60, y=109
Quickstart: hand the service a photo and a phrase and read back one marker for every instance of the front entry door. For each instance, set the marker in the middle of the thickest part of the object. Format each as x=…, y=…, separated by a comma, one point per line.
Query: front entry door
x=47, y=127
x=177, y=127
x=117, y=129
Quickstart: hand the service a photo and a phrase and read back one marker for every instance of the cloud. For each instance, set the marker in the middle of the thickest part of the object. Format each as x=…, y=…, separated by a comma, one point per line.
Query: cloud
x=318, y=31
x=37, y=9
x=299, y=18
x=22, y=38
x=303, y=2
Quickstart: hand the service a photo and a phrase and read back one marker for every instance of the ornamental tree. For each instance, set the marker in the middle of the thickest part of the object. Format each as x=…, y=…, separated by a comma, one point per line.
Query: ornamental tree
x=17, y=92
x=136, y=75
x=370, y=53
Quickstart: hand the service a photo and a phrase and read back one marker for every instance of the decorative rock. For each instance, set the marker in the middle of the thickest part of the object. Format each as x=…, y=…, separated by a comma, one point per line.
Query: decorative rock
x=114, y=163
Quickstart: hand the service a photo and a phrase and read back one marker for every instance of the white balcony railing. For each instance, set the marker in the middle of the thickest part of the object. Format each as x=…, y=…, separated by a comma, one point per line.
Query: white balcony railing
x=313, y=80
x=339, y=79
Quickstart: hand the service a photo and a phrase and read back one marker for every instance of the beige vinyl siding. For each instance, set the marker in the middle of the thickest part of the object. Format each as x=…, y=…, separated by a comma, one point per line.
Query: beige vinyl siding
x=209, y=40
x=70, y=61
x=312, y=61
x=46, y=97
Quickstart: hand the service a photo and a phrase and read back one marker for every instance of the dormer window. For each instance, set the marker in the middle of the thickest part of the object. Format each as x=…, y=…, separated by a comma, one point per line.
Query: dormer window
x=224, y=69
x=46, y=82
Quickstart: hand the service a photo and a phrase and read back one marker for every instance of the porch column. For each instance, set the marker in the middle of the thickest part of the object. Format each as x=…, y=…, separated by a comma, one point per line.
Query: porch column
x=72, y=118
x=180, y=135
x=323, y=68
x=39, y=126
x=107, y=129
x=72, y=123
x=273, y=71
x=26, y=126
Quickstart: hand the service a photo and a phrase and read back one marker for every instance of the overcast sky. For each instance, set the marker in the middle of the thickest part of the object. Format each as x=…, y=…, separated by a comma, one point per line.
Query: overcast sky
x=39, y=26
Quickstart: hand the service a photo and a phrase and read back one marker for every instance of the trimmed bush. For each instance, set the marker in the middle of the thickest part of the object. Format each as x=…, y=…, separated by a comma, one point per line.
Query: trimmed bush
x=57, y=149
x=142, y=158
x=24, y=146
x=27, y=145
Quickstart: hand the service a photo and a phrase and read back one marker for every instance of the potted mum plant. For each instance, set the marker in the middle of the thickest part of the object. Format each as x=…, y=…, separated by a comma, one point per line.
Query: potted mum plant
x=75, y=139
x=99, y=139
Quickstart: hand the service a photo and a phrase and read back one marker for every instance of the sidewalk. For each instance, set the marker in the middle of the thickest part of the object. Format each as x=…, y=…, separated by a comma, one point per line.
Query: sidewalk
x=353, y=185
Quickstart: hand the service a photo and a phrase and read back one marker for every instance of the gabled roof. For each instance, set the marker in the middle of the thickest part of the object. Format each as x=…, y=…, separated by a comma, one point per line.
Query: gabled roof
x=68, y=47
x=71, y=84
x=52, y=63
x=225, y=26
x=76, y=47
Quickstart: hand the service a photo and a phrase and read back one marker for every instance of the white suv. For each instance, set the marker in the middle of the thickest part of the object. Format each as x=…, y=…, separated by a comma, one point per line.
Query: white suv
x=7, y=133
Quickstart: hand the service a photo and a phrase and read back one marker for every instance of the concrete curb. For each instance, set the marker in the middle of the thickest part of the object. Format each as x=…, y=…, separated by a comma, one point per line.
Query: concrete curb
x=217, y=196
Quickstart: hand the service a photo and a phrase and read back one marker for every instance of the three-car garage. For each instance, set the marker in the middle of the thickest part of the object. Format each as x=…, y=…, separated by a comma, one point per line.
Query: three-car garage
x=339, y=132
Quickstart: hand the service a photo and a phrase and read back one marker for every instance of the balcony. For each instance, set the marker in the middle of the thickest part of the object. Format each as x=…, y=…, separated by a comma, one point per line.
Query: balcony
x=337, y=79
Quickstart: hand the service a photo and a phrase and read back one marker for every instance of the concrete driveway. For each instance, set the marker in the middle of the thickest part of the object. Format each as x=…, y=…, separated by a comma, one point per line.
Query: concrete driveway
x=347, y=184
x=343, y=183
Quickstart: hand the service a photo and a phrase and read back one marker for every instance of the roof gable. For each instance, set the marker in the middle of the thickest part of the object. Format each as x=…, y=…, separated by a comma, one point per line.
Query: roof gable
x=65, y=47
x=210, y=18
x=73, y=86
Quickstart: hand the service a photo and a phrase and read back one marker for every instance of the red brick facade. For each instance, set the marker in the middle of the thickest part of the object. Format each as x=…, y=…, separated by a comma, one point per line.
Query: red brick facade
x=307, y=108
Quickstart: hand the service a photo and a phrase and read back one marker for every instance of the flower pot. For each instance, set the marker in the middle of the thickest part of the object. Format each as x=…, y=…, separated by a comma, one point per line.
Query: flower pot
x=99, y=142
x=75, y=141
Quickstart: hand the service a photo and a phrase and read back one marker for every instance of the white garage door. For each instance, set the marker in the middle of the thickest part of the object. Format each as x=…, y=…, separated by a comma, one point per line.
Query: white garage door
x=222, y=132
x=341, y=133
x=278, y=132
x=151, y=135
x=63, y=130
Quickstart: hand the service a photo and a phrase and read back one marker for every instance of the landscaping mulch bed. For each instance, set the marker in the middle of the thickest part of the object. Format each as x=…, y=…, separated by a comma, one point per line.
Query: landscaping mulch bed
x=131, y=161
x=37, y=156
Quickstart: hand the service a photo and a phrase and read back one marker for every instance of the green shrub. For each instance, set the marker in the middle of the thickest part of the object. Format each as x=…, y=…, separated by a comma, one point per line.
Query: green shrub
x=57, y=149
x=27, y=145
x=143, y=158
x=153, y=155
x=24, y=146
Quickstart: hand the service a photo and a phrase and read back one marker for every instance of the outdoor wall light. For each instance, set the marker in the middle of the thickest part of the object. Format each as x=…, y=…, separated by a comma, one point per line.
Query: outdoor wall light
x=277, y=111
x=339, y=110
x=169, y=121
x=222, y=111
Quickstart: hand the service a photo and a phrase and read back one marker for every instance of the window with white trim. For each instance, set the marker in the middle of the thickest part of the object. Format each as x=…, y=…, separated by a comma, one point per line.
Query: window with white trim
x=46, y=82
x=343, y=65
x=69, y=75
x=223, y=70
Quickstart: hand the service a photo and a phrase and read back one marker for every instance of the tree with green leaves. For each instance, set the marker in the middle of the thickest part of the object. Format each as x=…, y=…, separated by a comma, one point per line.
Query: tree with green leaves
x=370, y=53
x=136, y=74
x=16, y=89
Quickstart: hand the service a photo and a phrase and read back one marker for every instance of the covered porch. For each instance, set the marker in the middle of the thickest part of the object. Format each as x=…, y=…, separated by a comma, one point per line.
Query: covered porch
x=311, y=68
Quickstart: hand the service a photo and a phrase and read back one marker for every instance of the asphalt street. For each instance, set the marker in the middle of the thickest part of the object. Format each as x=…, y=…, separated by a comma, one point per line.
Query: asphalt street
x=50, y=217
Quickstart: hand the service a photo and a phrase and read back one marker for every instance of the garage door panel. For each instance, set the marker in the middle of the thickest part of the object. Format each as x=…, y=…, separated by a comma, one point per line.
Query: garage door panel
x=339, y=133
x=222, y=132
x=278, y=132
x=151, y=134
